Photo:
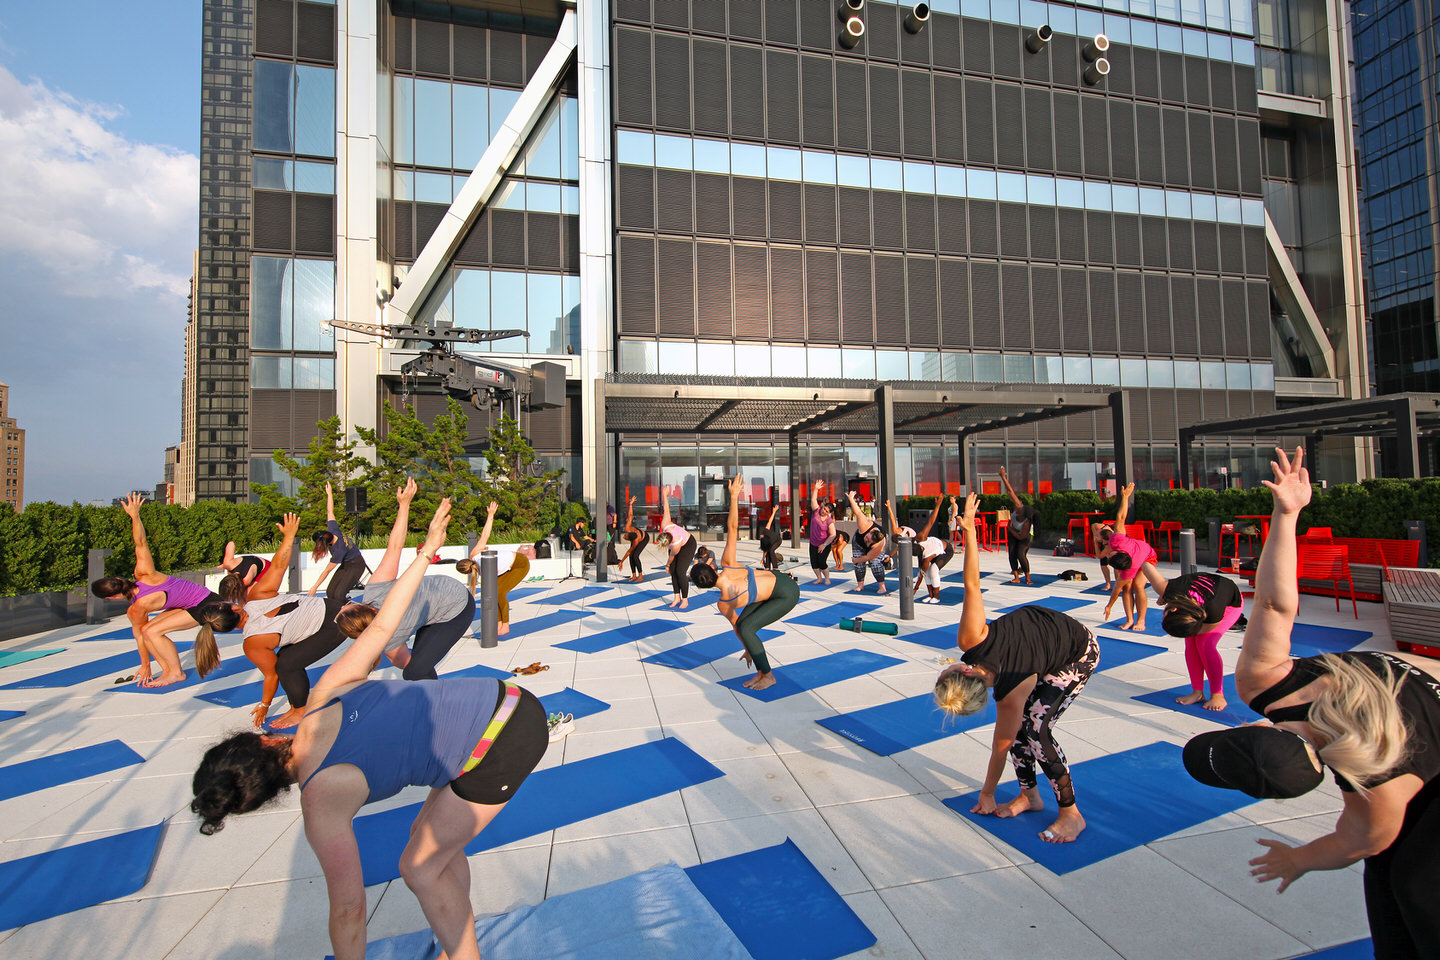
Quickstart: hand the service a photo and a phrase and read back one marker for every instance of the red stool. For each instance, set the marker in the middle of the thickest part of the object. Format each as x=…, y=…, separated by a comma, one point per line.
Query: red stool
x=1235, y=531
x=1001, y=533
x=1169, y=528
x=1082, y=542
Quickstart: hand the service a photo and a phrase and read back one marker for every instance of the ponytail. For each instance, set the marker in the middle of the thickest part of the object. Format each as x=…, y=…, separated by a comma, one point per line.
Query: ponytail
x=471, y=569
x=207, y=652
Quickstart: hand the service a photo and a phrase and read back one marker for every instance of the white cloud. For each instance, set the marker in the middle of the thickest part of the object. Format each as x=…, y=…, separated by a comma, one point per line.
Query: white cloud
x=101, y=215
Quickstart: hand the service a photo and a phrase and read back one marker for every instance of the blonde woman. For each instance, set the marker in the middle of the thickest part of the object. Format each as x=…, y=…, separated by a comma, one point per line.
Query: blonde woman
x=505, y=582
x=1372, y=718
x=1037, y=661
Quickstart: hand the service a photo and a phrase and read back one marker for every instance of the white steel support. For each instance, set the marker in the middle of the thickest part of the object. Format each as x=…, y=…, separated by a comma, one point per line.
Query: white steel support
x=597, y=337
x=1286, y=284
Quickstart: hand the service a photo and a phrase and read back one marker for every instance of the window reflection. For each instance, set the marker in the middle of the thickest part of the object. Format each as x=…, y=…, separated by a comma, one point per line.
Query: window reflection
x=471, y=124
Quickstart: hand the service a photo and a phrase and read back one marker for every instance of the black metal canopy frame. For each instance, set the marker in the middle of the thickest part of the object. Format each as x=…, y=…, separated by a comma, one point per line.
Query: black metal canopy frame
x=651, y=403
x=1406, y=416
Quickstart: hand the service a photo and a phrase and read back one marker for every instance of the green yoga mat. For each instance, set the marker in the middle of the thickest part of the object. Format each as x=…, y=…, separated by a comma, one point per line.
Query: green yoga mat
x=861, y=625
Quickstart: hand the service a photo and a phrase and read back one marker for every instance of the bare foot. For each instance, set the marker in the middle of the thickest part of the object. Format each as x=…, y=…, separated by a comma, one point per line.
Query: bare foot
x=684, y=605
x=1139, y=626
x=1028, y=582
x=502, y=629
x=881, y=592
x=287, y=719
x=1066, y=827
x=760, y=681
x=1015, y=578
x=1217, y=702
x=1190, y=699
x=1127, y=624
x=165, y=679
x=856, y=589
x=1026, y=802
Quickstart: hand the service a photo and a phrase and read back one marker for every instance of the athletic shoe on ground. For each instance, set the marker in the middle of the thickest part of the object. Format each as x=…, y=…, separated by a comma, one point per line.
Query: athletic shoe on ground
x=561, y=725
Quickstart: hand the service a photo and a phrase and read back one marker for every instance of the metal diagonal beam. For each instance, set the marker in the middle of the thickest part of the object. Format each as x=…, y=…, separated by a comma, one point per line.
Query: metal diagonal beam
x=716, y=414
x=825, y=416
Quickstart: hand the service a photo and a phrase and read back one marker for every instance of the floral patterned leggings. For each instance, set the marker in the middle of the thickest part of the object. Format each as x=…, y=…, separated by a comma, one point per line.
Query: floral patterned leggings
x=1035, y=743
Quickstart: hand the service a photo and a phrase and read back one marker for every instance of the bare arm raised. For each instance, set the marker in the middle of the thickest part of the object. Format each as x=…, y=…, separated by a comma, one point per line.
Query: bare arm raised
x=144, y=562
x=480, y=544
x=972, y=614
x=269, y=583
x=732, y=523
x=389, y=566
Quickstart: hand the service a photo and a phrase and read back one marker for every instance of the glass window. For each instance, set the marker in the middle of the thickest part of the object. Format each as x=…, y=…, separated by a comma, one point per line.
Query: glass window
x=1161, y=372
x=975, y=9
x=673, y=153
x=1217, y=47
x=1005, y=11
x=790, y=361
x=542, y=197
x=471, y=125
x=1040, y=190
x=783, y=163
x=1177, y=204
x=1070, y=193
x=1088, y=23
x=1212, y=374
x=957, y=367
x=1117, y=28
x=315, y=110
x=1127, y=198
x=1010, y=187
x=1187, y=374
x=439, y=308
x=314, y=177
x=472, y=303
x=314, y=373
x=1019, y=368
x=546, y=315
x=1202, y=207
x=510, y=195
x=1097, y=196
x=747, y=160
x=1077, y=370
x=314, y=304
x=1105, y=370
x=1152, y=202
x=274, y=109
x=434, y=188
x=270, y=303
x=570, y=301
x=919, y=178
x=638, y=356
x=823, y=362
x=1252, y=212
x=404, y=185
x=404, y=119
x=542, y=153
x=1242, y=51
x=950, y=181
x=677, y=358
x=852, y=171
x=818, y=167
x=269, y=373
x=858, y=363
x=886, y=174
x=1033, y=13
x=717, y=359
x=753, y=359
x=1049, y=370
x=271, y=174
x=1062, y=18
x=507, y=299
x=1237, y=376
x=432, y=123
x=892, y=365
x=712, y=156
x=926, y=365
x=1132, y=372
x=501, y=102
x=1262, y=376
x=989, y=368
x=980, y=184
x=635, y=148
x=1142, y=33
x=1194, y=43
x=570, y=139
x=1227, y=209
x=1168, y=38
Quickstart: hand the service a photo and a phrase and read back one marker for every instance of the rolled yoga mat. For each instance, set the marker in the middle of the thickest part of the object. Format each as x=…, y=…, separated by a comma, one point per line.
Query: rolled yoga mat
x=861, y=625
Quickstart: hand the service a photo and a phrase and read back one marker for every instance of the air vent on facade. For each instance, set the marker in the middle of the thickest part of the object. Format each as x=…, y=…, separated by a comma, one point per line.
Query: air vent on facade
x=851, y=33
x=1039, y=38
x=916, y=19
x=1097, y=71
x=1095, y=49
x=849, y=8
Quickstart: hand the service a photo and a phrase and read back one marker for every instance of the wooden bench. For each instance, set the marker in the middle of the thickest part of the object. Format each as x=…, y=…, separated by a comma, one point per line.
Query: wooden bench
x=1412, y=605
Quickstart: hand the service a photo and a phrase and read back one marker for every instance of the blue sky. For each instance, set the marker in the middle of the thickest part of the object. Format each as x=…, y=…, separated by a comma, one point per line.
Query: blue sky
x=99, y=131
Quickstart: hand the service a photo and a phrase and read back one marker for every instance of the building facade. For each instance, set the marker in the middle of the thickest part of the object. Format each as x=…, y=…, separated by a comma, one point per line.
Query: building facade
x=12, y=437
x=727, y=190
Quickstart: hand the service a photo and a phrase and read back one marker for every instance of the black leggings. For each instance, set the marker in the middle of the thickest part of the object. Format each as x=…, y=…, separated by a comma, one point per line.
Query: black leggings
x=1400, y=884
x=345, y=578
x=640, y=543
x=1035, y=743
x=434, y=640
x=1019, y=555
x=292, y=659
x=783, y=597
x=680, y=567
x=819, y=557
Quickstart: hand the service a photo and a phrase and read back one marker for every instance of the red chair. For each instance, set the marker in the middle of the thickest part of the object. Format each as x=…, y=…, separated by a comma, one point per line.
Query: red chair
x=1082, y=542
x=1327, y=562
x=1235, y=531
x=1322, y=532
x=1145, y=530
x=1169, y=528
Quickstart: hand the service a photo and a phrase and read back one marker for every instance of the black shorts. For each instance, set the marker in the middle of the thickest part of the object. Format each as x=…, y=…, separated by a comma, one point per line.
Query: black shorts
x=194, y=611
x=512, y=756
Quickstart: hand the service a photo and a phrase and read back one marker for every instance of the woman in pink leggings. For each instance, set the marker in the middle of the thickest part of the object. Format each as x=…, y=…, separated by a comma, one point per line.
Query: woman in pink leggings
x=1199, y=607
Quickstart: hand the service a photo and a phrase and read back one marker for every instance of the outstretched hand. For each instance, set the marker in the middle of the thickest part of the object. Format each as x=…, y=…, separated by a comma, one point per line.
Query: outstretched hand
x=131, y=505
x=1128, y=490
x=490, y=508
x=967, y=519
x=290, y=525
x=737, y=486
x=435, y=535
x=1277, y=863
x=405, y=494
x=1291, y=486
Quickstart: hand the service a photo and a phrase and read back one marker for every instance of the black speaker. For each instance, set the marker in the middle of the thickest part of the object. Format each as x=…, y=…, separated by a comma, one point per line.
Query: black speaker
x=356, y=500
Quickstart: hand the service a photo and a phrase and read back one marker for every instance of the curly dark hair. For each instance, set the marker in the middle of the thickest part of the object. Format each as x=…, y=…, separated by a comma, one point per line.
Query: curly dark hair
x=703, y=576
x=237, y=775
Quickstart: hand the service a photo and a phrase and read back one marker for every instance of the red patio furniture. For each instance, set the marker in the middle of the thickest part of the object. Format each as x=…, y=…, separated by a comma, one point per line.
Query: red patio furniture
x=1327, y=562
x=1169, y=528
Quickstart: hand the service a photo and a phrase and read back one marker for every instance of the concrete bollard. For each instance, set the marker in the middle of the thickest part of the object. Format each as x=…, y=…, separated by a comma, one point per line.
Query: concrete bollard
x=907, y=579
x=489, y=599
x=1187, y=552
x=295, y=586
x=95, y=569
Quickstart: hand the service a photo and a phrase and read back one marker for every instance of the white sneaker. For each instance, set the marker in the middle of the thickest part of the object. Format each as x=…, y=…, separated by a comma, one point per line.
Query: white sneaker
x=561, y=725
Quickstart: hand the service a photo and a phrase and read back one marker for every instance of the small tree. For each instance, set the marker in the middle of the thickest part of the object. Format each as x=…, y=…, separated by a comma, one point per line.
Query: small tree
x=435, y=456
x=331, y=459
x=528, y=497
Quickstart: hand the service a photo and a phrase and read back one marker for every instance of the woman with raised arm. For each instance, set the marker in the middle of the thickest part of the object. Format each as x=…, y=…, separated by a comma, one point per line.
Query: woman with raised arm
x=867, y=550
x=1037, y=660
x=343, y=554
x=1372, y=718
x=505, y=582
x=1017, y=537
x=1199, y=607
x=246, y=568
x=472, y=741
x=175, y=601
x=438, y=613
x=680, y=545
x=749, y=600
x=934, y=552
x=284, y=634
x=770, y=542
x=638, y=540
x=1126, y=555
x=822, y=533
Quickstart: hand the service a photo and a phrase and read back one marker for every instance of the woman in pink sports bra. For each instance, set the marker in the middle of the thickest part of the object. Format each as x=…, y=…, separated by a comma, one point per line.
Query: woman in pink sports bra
x=175, y=601
x=1125, y=555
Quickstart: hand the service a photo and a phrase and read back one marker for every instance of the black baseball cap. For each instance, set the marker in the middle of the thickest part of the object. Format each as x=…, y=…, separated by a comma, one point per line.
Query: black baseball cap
x=1264, y=761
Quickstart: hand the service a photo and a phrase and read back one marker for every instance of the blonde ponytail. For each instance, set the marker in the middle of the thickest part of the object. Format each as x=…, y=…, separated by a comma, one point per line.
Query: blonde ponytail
x=207, y=652
x=471, y=569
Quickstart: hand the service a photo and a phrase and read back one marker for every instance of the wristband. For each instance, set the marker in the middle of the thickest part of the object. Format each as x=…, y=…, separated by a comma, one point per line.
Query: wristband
x=264, y=703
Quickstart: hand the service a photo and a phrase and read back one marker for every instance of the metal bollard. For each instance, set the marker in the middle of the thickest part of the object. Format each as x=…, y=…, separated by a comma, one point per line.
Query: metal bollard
x=1212, y=553
x=1187, y=552
x=907, y=579
x=489, y=599
x=295, y=572
x=95, y=569
x=471, y=539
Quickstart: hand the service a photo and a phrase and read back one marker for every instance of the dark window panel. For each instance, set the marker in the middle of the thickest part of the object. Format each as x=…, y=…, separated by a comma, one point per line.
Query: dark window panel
x=746, y=18
x=822, y=296
x=915, y=47
x=432, y=48
x=1015, y=294
x=752, y=292
x=469, y=52
x=636, y=199
x=712, y=101
x=818, y=26
x=1172, y=77
x=780, y=24
x=1222, y=85
x=1065, y=63
x=1074, y=310
x=747, y=92
x=507, y=235
x=1103, y=335
x=1227, y=168
x=952, y=218
x=955, y=304
x=949, y=118
x=542, y=238
x=405, y=230
x=888, y=214
x=315, y=32
x=1256, y=253
x=314, y=224
x=985, y=304
x=1214, y=405
x=819, y=213
x=817, y=90
x=1153, y=321
x=919, y=113
x=1005, y=47
x=1045, y=306
x=984, y=238
x=1202, y=152
x=920, y=222
x=673, y=193
x=922, y=306
x=1009, y=126
x=1039, y=150
x=474, y=249
x=1182, y=245
x=637, y=11
x=1197, y=81
x=786, y=217
x=632, y=77
x=675, y=283
x=1232, y=250
x=749, y=194
x=1177, y=149
x=1207, y=249
x=782, y=95
x=708, y=17
x=404, y=43
x=1146, y=72
x=890, y=328
x=1095, y=136
x=884, y=109
x=1014, y=231
x=672, y=82
x=1098, y=234
x=672, y=13
x=712, y=285
x=1250, y=178
x=787, y=295
x=1257, y=292
x=1122, y=72
x=1068, y=156
x=975, y=37
x=854, y=217
x=1237, y=326
x=270, y=223
x=712, y=204
x=1148, y=146
x=979, y=123
x=1153, y=242
x=857, y=311
x=1034, y=67
x=1245, y=90
x=507, y=57
x=1071, y=225
x=1042, y=233
x=1183, y=319
x=945, y=40
x=1209, y=311
x=1162, y=416
x=275, y=28
x=882, y=31
x=637, y=285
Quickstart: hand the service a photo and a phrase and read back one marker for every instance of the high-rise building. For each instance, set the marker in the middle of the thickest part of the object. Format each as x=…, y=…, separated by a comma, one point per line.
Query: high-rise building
x=184, y=456
x=12, y=437
x=1008, y=194
x=1398, y=134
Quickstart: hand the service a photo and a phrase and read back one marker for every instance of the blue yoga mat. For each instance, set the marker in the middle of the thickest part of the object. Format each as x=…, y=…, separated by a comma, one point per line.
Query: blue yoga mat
x=1036, y=580
x=1153, y=620
x=626, y=599
x=123, y=633
x=10, y=714
x=520, y=628
x=699, y=599
x=50, y=884
x=780, y=906
x=123, y=663
x=10, y=658
x=232, y=665
x=810, y=586
x=579, y=595
x=1355, y=950
x=938, y=638
x=609, y=639
x=1309, y=640
x=573, y=702
x=479, y=670
x=549, y=799
x=810, y=674
x=832, y=615
x=520, y=593
x=904, y=724
x=1099, y=589
x=68, y=766
x=701, y=652
x=1061, y=604
x=1115, y=652
x=1129, y=799
x=247, y=694
x=1234, y=714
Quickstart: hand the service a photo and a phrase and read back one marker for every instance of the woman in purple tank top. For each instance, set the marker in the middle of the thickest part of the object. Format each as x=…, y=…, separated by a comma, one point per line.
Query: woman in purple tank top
x=175, y=601
x=472, y=741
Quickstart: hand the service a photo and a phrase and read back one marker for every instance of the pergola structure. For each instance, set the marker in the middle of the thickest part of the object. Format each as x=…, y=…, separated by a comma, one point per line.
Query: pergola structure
x=697, y=405
x=1406, y=416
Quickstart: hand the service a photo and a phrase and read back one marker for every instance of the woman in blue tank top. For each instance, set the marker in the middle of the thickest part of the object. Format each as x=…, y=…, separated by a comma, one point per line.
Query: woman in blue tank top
x=747, y=599
x=472, y=741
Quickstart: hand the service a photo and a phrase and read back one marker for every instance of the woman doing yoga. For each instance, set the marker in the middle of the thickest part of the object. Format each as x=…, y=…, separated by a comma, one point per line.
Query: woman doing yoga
x=1199, y=607
x=934, y=552
x=1037, y=660
x=504, y=582
x=1372, y=718
x=770, y=539
x=343, y=554
x=1125, y=555
x=1017, y=537
x=681, y=547
x=638, y=540
x=438, y=613
x=472, y=741
x=749, y=600
x=176, y=602
x=867, y=550
x=822, y=533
